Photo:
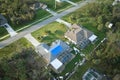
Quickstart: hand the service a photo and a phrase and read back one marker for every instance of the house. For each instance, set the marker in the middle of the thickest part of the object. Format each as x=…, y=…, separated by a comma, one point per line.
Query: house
x=80, y=36
x=92, y=74
x=3, y=20
x=57, y=55
x=38, y=5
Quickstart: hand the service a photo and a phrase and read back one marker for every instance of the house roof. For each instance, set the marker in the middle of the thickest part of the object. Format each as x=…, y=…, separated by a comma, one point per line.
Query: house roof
x=57, y=48
x=43, y=50
x=2, y=20
x=92, y=75
x=56, y=64
x=77, y=33
x=51, y=52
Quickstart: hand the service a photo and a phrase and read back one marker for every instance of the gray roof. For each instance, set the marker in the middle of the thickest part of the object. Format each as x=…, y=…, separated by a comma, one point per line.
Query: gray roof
x=45, y=50
x=42, y=50
x=92, y=74
x=2, y=20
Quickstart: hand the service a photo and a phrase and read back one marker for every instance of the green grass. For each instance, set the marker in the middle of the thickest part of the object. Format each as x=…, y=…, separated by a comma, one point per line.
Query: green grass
x=76, y=0
x=81, y=70
x=100, y=35
x=50, y=32
x=70, y=66
x=39, y=15
x=3, y=32
x=14, y=47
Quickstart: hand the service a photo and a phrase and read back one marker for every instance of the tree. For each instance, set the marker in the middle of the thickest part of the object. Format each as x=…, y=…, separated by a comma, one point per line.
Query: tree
x=100, y=20
x=24, y=65
x=100, y=27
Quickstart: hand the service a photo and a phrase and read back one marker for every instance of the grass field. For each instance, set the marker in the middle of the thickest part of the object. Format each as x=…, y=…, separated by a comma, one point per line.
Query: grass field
x=70, y=66
x=14, y=47
x=3, y=31
x=76, y=0
x=50, y=32
x=39, y=15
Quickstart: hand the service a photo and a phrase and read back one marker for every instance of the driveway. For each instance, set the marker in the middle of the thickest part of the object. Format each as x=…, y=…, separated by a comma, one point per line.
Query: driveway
x=51, y=12
x=10, y=30
x=64, y=22
x=31, y=39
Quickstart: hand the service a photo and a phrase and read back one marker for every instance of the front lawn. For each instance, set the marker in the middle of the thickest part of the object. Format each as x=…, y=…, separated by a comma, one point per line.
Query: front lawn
x=50, y=32
x=3, y=32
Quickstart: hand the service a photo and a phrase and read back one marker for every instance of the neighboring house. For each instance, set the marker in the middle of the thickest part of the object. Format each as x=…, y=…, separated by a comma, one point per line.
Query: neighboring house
x=80, y=36
x=3, y=20
x=92, y=74
x=38, y=5
x=57, y=55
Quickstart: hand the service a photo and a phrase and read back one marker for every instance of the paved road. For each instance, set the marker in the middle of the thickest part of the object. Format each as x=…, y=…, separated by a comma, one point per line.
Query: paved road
x=41, y=24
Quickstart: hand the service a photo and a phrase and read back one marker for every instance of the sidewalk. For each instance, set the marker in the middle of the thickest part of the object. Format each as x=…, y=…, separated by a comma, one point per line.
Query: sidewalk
x=64, y=22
